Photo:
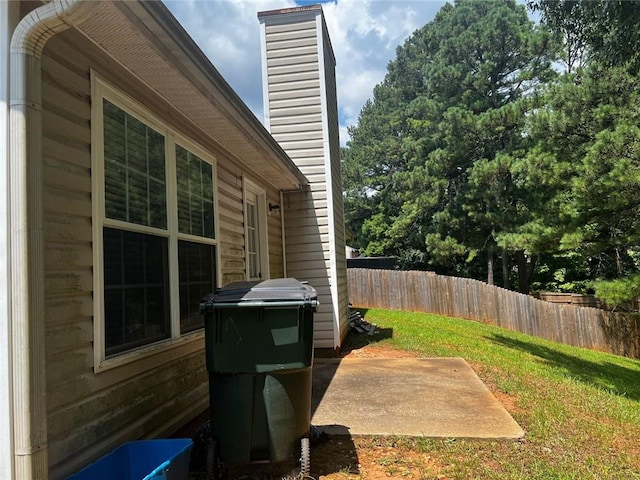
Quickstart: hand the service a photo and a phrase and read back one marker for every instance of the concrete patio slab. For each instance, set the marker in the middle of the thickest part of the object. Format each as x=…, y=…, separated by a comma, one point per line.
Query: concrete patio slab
x=430, y=397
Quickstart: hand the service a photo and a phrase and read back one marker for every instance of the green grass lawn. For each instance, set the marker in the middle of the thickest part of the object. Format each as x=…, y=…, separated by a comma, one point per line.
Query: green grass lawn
x=580, y=409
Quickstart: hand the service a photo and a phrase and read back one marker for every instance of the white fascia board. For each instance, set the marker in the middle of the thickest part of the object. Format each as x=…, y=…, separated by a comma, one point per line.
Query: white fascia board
x=266, y=116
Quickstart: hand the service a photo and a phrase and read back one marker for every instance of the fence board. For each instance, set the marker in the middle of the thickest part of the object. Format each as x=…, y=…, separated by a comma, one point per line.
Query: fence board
x=571, y=324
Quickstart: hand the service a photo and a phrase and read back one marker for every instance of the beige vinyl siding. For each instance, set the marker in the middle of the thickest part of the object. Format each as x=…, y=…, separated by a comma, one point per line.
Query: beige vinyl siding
x=296, y=86
x=89, y=413
x=274, y=236
x=308, y=256
x=231, y=224
x=336, y=180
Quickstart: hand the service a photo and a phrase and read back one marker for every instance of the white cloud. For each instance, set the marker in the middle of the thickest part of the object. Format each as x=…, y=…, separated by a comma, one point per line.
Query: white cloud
x=364, y=35
x=354, y=89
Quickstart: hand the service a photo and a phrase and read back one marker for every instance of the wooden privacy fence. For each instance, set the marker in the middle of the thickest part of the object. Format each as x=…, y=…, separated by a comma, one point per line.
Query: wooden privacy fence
x=586, y=327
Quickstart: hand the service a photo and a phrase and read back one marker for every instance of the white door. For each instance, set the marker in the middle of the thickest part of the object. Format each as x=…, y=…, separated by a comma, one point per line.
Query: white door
x=255, y=233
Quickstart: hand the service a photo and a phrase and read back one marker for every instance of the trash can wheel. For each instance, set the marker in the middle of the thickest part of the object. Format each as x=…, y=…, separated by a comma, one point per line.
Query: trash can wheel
x=305, y=457
x=214, y=465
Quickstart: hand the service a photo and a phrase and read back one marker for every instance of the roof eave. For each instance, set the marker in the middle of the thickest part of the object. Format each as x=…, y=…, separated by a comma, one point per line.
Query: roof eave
x=161, y=29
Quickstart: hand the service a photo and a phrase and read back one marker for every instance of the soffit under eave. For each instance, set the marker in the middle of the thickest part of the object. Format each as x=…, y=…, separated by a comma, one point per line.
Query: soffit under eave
x=147, y=50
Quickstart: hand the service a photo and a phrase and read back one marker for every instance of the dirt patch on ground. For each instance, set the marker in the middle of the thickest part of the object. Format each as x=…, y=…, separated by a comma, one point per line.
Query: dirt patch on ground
x=377, y=351
x=371, y=458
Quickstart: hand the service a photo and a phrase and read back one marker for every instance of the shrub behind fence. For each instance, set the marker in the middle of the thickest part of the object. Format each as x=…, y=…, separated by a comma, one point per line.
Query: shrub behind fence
x=586, y=327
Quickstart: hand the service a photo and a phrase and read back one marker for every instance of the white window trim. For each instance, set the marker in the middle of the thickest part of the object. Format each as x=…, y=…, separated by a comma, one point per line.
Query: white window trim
x=263, y=234
x=100, y=90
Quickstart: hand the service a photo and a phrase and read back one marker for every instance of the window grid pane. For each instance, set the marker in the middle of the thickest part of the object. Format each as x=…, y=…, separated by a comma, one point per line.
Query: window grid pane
x=136, y=284
x=197, y=279
x=195, y=194
x=135, y=183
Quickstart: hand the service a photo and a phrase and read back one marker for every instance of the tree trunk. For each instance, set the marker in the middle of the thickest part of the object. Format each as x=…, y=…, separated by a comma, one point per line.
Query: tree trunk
x=505, y=270
x=523, y=277
x=619, y=266
x=490, y=266
x=525, y=271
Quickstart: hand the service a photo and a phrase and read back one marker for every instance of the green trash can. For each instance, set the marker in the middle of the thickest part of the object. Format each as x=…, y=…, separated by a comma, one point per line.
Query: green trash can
x=259, y=354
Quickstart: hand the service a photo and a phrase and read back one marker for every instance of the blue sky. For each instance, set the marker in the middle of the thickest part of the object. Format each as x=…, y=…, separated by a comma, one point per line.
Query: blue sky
x=364, y=35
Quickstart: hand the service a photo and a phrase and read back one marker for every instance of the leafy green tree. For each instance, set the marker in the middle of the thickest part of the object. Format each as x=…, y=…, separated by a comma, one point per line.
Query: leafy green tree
x=474, y=149
x=604, y=31
x=588, y=133
x=590, y=126
x=427, y=159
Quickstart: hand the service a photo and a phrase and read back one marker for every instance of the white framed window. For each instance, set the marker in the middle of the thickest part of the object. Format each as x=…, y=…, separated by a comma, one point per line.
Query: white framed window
x=197, y=263
x=255, y=228
x=154, y=230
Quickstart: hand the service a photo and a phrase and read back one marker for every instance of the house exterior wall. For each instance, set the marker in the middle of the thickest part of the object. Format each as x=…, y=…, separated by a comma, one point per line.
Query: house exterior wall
x=90, y=413
x=301, y=113
x=332, y=134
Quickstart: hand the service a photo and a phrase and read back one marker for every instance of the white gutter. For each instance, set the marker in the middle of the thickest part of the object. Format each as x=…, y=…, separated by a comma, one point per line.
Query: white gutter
x=26, y=233
x=265, y=76
x=9, y=17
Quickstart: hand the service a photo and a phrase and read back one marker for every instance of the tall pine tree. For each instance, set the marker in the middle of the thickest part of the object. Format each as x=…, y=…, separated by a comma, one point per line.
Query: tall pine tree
x=425, y=167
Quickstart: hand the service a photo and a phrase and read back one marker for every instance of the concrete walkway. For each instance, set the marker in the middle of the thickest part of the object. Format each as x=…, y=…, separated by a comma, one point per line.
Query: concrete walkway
x=431, y=397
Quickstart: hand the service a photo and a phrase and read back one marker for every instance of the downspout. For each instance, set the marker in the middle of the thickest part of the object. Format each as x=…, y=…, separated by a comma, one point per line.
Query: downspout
x=26, y=233
x=9, y=18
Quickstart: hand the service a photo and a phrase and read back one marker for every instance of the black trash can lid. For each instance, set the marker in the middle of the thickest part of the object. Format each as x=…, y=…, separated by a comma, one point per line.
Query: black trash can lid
x=268, y=293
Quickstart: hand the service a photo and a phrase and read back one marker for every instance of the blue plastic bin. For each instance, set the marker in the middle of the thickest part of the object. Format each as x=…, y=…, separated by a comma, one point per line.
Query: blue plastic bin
x=165, y=459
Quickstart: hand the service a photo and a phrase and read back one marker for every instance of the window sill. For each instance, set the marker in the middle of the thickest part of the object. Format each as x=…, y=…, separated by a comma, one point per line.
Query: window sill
x=158, y=353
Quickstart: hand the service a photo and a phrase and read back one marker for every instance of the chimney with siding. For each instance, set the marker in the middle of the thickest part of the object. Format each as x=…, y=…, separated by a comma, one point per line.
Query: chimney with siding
x=301, y=112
